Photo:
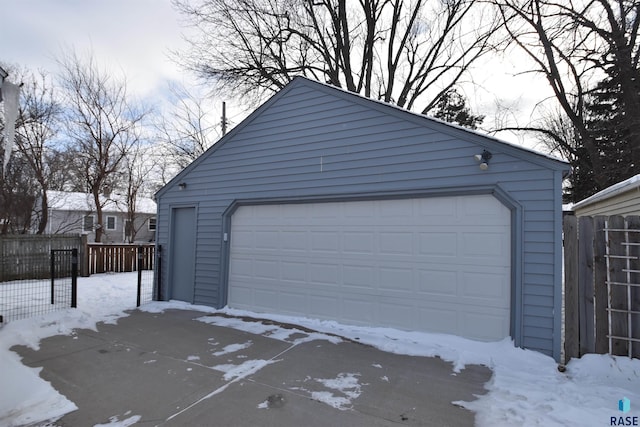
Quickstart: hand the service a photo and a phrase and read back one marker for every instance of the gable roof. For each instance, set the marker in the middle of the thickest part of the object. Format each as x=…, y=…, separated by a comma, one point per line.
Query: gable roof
x=460, y=132
x=83, y=202
x=629, y=184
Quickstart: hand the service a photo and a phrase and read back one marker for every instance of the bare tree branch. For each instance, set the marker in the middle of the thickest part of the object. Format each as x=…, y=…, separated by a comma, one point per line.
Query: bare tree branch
x=103, y=124
x=409, y=52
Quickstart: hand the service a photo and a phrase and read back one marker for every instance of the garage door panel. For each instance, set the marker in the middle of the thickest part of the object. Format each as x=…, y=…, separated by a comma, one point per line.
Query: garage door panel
x=436, y=264
x=293, y=271
x=358, y=242
x=354, y=276
x=481, y=206
x=489, y=286
x=242, y=267
x=485, y=244
x=437, y=282
x=295, y=211
x=266, y=240
x=402, y=208
x=437, y=319
x=322, y=274
x=244, y=296
x=396, y=279
x=267, y=299
x=243, y=239
x=358, y=310
x=324, y=241
x=398, y=314
x=293, y=302
x=324, y=211
x=358, y=210
x=323, y=307
x=395, y=243
x=265, y=269
x=443, y=207
x=295, y=241
x=438, y=244
x=482, y=325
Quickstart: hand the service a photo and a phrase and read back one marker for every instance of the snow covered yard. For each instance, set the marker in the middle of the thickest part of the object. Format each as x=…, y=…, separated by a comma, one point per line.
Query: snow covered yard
x=526, y=388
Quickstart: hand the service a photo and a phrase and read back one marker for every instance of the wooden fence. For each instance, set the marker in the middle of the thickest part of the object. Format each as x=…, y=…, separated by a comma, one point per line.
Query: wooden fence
x=102, y=258
x=28, y=256
x=602, y=285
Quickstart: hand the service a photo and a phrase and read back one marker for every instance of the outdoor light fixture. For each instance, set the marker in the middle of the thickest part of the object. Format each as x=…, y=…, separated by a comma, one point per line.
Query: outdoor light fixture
x=182, y=185
x=483, y=159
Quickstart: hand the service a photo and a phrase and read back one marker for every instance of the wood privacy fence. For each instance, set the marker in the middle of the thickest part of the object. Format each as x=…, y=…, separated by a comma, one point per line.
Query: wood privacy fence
x=602, y=285
x=102, y=258
x=28, y=256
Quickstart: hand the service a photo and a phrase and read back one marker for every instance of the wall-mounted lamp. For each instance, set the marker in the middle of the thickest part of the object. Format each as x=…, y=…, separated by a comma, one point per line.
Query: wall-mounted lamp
x=182, y=185
x=483, y=159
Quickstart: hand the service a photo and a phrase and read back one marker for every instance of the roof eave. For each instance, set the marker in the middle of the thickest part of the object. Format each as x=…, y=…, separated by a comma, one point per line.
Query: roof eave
x=623, y=187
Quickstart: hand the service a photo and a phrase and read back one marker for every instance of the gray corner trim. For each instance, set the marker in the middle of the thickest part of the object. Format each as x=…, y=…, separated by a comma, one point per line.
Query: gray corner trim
x=517, y=232
x=376, y=195
x=517, y=271
x=225, y=256
x=166, y=286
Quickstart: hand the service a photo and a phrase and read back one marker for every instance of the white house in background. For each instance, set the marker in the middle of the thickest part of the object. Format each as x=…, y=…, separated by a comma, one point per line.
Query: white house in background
x=71, y=212
x=622, y=199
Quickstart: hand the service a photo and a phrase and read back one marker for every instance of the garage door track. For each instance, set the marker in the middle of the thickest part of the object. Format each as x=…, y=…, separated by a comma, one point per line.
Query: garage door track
x=170, y=369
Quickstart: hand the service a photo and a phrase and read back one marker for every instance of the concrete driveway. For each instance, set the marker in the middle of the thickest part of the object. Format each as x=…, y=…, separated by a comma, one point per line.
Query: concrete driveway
x=169, y=369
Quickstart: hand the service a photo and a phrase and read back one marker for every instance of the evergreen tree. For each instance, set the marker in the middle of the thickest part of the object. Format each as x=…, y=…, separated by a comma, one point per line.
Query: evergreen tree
x=609, y=124
x=452, y=108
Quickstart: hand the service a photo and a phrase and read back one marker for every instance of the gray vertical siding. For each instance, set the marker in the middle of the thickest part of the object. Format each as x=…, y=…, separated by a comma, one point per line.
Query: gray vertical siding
x=311, y=140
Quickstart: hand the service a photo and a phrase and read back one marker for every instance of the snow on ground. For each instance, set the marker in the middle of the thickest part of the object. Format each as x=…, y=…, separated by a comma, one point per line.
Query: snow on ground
x=526, y=388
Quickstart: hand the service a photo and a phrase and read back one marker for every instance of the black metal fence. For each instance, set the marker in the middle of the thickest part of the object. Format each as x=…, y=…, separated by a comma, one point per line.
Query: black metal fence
x=145, y=276
x=37, y=295
x=40, y=275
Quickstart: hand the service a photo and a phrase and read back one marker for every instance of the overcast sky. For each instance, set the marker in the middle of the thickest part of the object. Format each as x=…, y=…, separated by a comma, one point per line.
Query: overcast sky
x=129, y=35
x=135, y=36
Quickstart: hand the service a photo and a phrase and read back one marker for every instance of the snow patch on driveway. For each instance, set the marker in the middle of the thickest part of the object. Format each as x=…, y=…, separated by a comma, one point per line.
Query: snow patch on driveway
x=276, y=332
x=243, y=370
x=232, y=348
x=344, y=389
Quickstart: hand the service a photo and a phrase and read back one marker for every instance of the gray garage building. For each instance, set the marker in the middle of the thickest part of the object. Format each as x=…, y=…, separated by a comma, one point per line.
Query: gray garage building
x=326, y=204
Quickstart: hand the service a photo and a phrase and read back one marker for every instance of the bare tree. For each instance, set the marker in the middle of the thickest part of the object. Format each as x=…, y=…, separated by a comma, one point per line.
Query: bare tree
x=103, y=124
x=136, y=169
x=409, y=52
x=575, y=44
x=185, y=132
x=38, y=124
x=18, y=192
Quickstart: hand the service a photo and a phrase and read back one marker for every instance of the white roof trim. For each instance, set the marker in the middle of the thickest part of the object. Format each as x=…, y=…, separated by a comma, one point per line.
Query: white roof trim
x=614, y=190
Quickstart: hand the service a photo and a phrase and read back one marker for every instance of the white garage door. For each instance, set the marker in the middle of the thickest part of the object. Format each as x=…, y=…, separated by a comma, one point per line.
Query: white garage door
x=428, y=264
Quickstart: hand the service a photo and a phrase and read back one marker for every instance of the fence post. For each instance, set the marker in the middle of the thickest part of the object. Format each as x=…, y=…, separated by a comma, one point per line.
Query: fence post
x=53, y=273
x=572, y=325
x=139, y=267
x=600, y=286
x=84, y=256
x=159, y=274
x=74, y=278
x=2, y=258
x=585, y=284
